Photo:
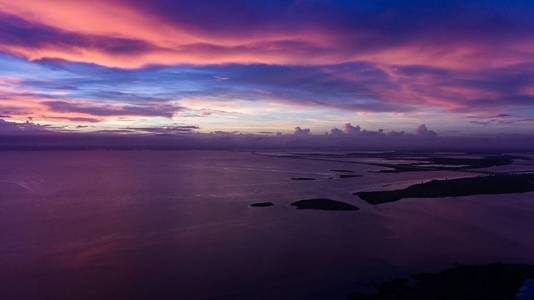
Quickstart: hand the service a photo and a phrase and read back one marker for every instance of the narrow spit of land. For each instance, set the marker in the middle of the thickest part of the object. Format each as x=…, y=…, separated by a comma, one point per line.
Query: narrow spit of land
x=414, y=161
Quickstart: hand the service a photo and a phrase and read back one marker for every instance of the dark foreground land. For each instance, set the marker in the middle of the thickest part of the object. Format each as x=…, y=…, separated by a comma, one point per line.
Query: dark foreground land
x=483, y=185
x=488, y=282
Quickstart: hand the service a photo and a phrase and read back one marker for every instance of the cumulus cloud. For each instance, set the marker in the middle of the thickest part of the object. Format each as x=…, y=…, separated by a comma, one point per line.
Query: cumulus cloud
x=349, y=129
x=423, y=131
x=302, y=131
x=7, y=127
x=336, y=131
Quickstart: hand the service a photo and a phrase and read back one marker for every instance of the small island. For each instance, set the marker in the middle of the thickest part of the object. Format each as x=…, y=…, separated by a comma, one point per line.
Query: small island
x=262, y=204
x=324, y=204
x=349, y=176
x=341, y=171
x=303, y=178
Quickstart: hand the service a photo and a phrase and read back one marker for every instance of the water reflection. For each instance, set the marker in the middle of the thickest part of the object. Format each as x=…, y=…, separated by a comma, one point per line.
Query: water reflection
x=153, y=225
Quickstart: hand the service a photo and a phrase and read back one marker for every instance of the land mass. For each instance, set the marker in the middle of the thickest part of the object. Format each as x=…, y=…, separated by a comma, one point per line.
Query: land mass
x=414, y=161
x=349, y=176
x=341, y=171
x=262, y=204
x=431, y=163
x=323, y=204
x=482, y=185
x=302, y=178
x=493, y=281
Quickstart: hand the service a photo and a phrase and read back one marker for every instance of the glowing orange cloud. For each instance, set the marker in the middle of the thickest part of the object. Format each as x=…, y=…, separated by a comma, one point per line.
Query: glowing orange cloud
x=171, y=44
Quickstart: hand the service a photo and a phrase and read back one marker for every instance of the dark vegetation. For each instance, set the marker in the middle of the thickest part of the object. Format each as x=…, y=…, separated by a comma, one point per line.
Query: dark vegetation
x=489, y=282
x=482, y=185
x=341, y=171
x=262, y=204
x=323, y=204
x=419, y=161
x=449, y=163
x=349, y=176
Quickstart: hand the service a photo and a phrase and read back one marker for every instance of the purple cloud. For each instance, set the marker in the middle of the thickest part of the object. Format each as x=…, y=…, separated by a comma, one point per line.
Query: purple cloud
x=27, y=127
x=423, y=131
x=155, y=110
x=15, y=31
x=349, y=129
x=302, y=131
x=168, y=130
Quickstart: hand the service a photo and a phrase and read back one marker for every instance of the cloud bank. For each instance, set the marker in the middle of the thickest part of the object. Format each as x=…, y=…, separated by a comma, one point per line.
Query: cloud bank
x=30, y=136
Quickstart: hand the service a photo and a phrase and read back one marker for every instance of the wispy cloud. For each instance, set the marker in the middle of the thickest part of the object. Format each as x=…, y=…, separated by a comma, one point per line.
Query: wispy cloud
x=109, y=110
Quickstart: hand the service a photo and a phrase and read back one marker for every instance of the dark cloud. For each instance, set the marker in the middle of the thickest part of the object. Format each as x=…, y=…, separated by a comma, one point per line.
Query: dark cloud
x=423, y=131
x=349, y=129
x=503, y=102
x=370, y=25
x=27, y=127
x=501, y=116
x=302, y=131
x=74, y=119
x=352, y=86
x=225, y=133
x=15, y=31
x=156, y=110
x=170, y=130
x=336, y=131
x=503, y=119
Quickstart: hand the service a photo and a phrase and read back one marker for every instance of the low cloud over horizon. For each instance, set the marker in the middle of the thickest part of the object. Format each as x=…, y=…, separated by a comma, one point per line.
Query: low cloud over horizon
x=32, y=136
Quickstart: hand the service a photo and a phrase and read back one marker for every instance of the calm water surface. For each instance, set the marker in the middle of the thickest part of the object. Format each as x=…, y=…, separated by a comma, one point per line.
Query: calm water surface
x=178, y=225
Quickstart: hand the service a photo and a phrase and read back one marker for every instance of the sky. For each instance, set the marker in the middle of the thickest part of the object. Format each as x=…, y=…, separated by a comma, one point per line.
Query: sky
x=271, y=67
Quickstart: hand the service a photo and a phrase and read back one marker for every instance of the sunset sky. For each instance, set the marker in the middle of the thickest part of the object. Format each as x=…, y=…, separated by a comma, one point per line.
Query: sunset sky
x=460, y=67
